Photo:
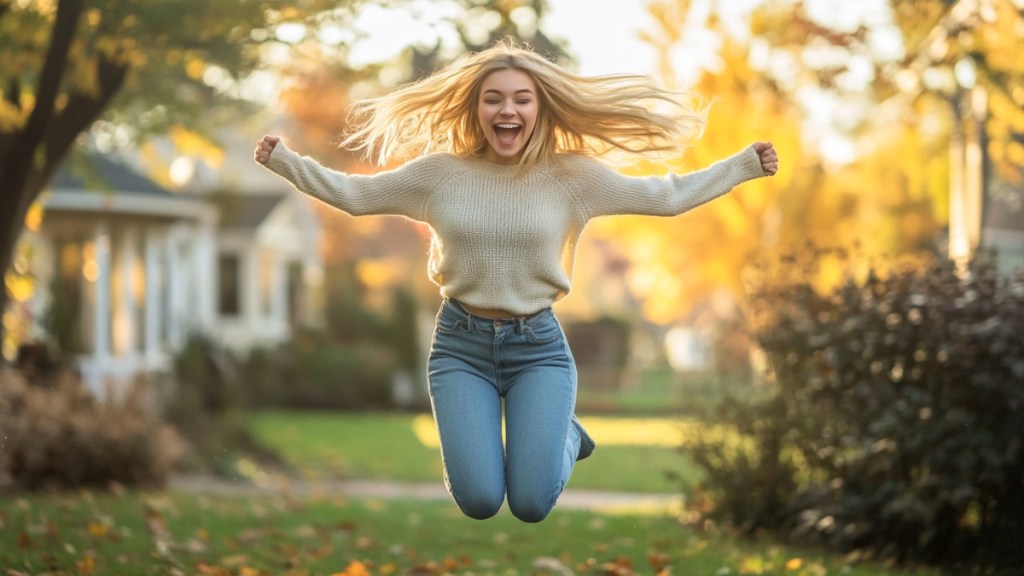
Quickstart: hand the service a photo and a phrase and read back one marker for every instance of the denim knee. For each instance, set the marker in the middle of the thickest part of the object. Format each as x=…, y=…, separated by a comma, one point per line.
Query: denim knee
x=478, y=504
x=531, y=508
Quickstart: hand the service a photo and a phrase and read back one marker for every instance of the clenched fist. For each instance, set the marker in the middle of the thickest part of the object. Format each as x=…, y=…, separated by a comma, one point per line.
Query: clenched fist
x=264, y=147
x=769, y=158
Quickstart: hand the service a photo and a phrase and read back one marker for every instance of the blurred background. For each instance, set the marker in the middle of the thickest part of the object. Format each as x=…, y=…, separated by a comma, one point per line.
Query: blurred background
x=142, y=244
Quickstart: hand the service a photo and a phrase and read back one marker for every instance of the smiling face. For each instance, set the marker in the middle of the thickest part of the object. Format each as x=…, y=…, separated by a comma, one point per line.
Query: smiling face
x=507, y=111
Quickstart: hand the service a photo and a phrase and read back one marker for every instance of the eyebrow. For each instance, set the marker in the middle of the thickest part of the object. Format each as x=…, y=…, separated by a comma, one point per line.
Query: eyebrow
x=527, y=90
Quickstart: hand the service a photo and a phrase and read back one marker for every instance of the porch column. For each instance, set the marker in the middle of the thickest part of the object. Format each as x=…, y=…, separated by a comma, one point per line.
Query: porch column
x=126, y=333
x=101, y=321
x=204, y=276
x=154, y=296
x=176, y=294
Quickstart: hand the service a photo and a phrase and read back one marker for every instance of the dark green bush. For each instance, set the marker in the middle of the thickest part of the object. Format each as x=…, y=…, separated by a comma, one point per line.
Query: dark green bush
x=324, y=375
x=57, y=435
x=206, y=402
x=347, y=365
x=896, y=422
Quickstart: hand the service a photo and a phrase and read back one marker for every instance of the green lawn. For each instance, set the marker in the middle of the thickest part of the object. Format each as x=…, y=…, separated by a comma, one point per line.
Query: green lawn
x=172, y=534
x=322, y=445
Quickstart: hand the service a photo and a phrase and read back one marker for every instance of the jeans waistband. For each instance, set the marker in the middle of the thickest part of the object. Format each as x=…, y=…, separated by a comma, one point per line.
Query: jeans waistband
x=517, y=321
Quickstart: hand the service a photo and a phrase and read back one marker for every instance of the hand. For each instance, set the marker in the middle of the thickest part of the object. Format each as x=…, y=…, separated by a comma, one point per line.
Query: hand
x=264, y=147
x=769, y=158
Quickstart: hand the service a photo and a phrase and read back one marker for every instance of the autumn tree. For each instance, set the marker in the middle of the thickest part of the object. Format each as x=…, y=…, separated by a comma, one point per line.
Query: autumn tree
x=941, y=77
x=676, y=263
x=123, y=69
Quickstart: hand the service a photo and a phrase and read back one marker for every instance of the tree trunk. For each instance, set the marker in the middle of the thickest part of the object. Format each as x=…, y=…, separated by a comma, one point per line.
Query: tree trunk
x=25, y=162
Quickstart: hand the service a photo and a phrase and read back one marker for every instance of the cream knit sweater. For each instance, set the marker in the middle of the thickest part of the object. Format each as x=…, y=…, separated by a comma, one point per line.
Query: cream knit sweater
x=505, y=238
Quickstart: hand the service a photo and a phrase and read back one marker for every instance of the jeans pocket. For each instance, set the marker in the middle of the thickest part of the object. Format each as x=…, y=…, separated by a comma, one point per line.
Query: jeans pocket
x=544, y=333
x=448, y=322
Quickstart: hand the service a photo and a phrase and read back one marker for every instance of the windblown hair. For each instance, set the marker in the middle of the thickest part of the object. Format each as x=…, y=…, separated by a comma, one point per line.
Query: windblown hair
x=577, y=114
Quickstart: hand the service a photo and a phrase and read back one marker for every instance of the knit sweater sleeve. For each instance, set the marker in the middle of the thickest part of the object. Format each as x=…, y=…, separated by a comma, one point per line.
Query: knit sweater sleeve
x=606, y=192
x=402, y=191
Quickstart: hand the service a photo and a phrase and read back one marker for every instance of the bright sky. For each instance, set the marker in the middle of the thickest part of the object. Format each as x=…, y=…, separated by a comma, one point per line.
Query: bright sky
x=602, y=34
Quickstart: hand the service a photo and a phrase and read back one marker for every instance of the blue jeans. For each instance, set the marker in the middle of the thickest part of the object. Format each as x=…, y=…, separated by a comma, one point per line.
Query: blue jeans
x=474, y=364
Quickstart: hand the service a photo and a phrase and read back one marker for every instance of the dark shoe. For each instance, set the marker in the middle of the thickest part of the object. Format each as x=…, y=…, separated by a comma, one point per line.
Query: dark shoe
x=587, y=444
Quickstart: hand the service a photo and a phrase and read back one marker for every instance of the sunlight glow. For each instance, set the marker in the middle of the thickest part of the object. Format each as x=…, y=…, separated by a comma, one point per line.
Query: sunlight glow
x=664, y=432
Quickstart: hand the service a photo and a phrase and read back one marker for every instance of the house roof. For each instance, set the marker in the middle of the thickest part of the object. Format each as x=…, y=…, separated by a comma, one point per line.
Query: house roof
x=101, y=174
x=246, y=211
x=97, y=184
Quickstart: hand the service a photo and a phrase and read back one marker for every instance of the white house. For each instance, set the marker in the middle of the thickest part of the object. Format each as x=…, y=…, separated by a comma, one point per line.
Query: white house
x=269, y=270
x=146, y=268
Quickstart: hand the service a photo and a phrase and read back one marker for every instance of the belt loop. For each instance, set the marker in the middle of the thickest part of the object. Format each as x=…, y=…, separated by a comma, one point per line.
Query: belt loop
x=520, y=325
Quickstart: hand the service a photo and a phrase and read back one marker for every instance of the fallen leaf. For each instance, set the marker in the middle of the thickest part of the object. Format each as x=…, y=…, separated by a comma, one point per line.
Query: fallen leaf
x=305, y=531
x=658, y=561
x=794, y=564
x=86, y=565
x=98, y=529
x=355, y=568
x=234, y=561
x=209, y=570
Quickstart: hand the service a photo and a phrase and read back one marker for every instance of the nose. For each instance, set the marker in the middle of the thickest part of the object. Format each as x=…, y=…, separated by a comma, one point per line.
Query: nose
x=507, y=108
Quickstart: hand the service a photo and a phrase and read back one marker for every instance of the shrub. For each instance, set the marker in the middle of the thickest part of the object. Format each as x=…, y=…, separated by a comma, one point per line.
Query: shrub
x=59, y=436
x=312, y=371
x=896, y=423
x=206, y=403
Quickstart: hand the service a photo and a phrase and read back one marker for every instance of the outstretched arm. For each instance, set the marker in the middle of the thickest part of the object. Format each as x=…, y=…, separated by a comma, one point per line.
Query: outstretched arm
x=607, y=192
x=402, y=191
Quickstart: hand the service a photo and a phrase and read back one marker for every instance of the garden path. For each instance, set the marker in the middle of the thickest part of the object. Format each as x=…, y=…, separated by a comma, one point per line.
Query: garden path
x=595, y=500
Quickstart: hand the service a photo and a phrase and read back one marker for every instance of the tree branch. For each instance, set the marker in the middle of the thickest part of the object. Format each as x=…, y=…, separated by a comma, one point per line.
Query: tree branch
x=18, y=163
x=79, y=113
x=68, y=14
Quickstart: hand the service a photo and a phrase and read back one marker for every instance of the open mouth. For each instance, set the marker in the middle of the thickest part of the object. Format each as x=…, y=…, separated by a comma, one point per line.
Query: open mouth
x=507, y=132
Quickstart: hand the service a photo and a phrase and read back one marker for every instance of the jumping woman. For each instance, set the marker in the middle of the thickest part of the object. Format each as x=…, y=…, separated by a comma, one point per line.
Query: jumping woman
x=504, y=147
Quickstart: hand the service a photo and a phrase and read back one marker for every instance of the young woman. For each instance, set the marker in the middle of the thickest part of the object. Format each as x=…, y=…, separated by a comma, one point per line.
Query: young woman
x=505, y=176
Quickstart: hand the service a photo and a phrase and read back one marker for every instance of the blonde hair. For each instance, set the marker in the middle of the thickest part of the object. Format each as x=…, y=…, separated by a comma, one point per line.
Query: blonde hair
x=577, y=114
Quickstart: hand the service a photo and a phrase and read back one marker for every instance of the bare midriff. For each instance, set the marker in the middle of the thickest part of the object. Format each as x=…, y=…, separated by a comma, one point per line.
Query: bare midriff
x=488, y=313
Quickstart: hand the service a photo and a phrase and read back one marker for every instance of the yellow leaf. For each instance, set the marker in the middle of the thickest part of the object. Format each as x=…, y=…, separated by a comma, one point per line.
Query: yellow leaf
x=355, y=568
x=794, y=564
x=86, y=565
x=97, y=529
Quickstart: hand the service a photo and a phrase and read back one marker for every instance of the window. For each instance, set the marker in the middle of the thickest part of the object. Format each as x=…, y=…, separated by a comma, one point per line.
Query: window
x=228, y=283
x=296, y=292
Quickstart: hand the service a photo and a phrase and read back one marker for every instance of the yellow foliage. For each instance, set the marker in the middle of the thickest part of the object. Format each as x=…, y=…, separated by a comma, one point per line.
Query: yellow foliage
x=195, y=68
x=20, y=288
x=14, y=117
x=34, y=216
x=380, y=273
x=192, y=143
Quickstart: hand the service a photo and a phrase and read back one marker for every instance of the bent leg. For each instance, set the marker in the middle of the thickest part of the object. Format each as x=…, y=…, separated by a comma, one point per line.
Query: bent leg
x=467, y=410
x=542, y=443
